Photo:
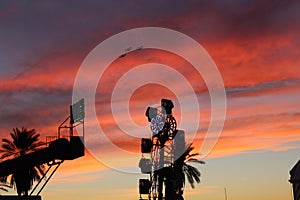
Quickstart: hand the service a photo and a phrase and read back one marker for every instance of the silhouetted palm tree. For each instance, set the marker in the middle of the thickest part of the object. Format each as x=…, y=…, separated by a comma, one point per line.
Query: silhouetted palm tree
x=23, y=141
x=184, y=169
x=191, y=172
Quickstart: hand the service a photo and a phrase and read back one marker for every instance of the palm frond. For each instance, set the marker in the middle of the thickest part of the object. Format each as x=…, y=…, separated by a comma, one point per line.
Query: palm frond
x=22, y=141
x=4, y=186
x=192, y=173
x=192, y=155
x=8, y=145
x=194, y=160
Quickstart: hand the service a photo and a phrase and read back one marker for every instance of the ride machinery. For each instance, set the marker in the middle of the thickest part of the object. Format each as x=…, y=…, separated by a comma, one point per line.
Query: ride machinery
x=57, y=149
x=162, y=155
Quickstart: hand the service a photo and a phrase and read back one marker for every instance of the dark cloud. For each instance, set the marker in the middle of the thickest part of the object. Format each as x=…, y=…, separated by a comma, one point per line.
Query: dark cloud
x=38, y=109
x=34, y=29
x=261, y=87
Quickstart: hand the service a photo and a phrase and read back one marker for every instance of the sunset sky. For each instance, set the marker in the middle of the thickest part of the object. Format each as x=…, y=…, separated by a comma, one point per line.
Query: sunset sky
x=254, y=44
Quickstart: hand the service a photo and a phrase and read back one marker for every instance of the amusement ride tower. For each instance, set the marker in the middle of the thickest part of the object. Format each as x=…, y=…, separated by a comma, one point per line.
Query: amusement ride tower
x=161, y=155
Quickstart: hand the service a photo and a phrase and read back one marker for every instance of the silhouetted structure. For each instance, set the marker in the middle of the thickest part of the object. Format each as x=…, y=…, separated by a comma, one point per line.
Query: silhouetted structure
x=164, y=150
x=7, y=197
x=57, y=151
x=295, y=180
x=60, y=149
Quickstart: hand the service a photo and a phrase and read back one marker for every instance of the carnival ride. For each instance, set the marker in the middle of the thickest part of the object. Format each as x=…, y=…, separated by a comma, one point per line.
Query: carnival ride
x=57, y=149
x=160, y=154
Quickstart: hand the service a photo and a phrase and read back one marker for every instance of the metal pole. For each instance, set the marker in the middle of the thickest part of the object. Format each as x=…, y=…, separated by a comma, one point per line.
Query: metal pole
x=71, y=130
x=292, y=194
x=61, y=126
x=225, y=193
x=160, y=177
x=83, y=131
x=40, y=180
x=49, y=178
